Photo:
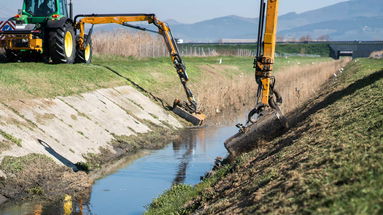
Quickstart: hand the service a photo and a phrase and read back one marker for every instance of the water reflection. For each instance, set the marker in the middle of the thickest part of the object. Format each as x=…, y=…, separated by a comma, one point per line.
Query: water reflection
x=134, y=184
x=186, y=147
x=66, y=206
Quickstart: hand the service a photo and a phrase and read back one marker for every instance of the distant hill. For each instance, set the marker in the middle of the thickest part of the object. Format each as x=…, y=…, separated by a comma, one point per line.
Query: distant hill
x=350, y=20
x=356, y=28
x=214, y=29
x=339, y=11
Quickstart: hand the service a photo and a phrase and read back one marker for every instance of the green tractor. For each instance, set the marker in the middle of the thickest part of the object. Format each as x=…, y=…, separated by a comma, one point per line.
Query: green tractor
x=45, y=29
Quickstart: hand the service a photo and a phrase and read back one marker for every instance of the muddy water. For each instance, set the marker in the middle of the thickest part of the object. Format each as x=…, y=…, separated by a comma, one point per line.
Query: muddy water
x=132, y=185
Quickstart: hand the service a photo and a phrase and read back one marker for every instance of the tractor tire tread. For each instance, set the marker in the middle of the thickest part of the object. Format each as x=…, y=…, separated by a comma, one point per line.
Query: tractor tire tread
x=57, y=45
x=80, y=55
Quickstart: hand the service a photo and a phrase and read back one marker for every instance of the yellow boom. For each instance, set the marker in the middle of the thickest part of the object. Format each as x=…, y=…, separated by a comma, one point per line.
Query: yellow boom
x=265, y=61
x=267, y=96
x=187, y=110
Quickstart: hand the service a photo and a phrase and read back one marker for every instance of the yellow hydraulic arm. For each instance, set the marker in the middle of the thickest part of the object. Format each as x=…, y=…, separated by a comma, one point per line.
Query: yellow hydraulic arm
x=264, y=62
x=267, y=96
x=187, y=110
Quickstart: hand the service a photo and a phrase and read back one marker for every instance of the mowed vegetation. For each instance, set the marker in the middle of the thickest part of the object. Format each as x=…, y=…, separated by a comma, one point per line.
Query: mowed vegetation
x=330, y=163
x=37, y=80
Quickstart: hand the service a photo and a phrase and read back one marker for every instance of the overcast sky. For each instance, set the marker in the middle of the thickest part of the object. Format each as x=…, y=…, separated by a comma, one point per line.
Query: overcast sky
x=186, y=11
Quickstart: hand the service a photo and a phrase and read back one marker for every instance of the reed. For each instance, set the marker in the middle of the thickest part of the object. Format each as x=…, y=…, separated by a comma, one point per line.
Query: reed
x=129, y=44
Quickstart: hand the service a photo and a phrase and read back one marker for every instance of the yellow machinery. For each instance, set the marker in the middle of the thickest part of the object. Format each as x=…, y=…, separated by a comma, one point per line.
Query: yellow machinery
x=267, y=96
x=187, y=110
x=266, y=120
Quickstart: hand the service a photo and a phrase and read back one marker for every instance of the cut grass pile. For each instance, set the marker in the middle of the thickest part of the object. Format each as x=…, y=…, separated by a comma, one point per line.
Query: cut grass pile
x=330, y=163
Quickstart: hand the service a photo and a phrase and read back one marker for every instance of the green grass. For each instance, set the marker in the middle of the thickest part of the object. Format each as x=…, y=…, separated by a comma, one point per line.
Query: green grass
x=43, y=80
x=312, y=49
x=352, y=183
x=330, y=164
x=36, y=191
x=36, y=80
x=173, y=200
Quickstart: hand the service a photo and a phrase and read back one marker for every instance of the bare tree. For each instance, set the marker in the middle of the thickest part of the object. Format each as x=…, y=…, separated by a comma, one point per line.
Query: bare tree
x=305, y=38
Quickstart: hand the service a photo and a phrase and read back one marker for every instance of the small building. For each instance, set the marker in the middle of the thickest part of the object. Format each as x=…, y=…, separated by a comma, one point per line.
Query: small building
x=179, y=41
x=355, y=49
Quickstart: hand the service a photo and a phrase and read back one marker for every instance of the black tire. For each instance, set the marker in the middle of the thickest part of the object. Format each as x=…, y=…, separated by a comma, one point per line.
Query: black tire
x=11, y=56
x=85, y=56
x=60, y=50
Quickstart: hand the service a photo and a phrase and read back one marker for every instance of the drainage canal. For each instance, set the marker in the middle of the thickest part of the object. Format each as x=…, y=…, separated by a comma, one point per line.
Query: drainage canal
x=133, y=184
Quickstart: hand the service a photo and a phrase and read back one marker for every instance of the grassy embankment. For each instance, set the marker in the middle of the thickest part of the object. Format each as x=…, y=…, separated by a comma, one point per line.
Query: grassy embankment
x=231, y=79
x=157, y=75
x=330, y=163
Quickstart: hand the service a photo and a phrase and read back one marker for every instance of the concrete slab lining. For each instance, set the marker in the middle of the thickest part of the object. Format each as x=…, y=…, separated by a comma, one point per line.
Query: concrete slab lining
x=76, y=125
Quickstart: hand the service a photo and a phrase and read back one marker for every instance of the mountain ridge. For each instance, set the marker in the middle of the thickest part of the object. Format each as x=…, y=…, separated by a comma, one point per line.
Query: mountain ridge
x=336, y=16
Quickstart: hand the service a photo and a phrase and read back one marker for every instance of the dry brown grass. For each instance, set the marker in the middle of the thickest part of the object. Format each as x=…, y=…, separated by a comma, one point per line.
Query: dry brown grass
x=224, y=98
x=124, y=43
x=221, y=95
x=297, y=84
x=218, y=96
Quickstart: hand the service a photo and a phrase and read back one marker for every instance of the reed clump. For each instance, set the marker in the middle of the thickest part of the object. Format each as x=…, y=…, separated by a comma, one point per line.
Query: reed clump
x=129, y=44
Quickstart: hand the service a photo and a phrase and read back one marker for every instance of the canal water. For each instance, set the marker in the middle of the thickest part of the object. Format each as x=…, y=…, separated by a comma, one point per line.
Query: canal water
x=131, y=186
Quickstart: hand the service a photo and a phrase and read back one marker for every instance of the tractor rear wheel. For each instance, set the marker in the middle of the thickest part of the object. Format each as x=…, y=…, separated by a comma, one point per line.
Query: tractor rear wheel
x=85, y=56
x=62, y=44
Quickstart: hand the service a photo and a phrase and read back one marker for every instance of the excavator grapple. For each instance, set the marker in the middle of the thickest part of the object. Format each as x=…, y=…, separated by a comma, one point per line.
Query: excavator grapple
x=266, y=120
x=194, y=117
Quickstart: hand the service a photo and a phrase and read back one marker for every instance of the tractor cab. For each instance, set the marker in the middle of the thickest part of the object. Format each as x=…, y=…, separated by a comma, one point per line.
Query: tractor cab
x=44, y=31
x=38, y=11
